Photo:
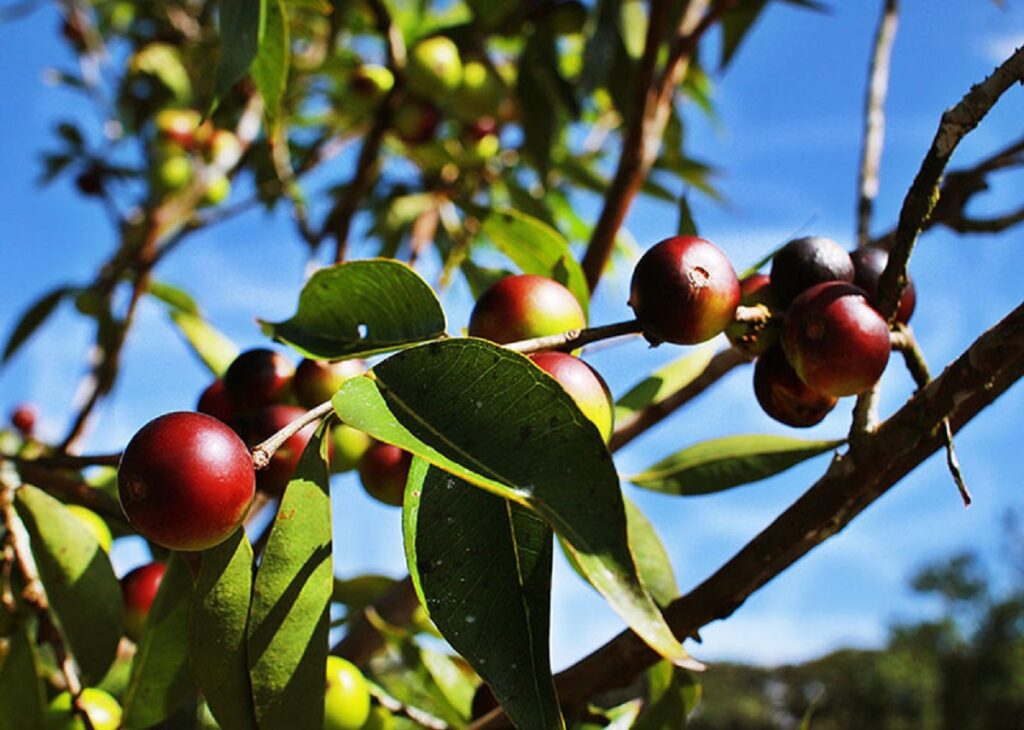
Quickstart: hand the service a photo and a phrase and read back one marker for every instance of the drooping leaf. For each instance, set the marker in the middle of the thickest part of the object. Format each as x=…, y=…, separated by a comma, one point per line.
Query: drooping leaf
x=488, y=591
x=33, y=318
x=175, y=297
x=736, y=23
x=161, y=678
x=663, y=382
x=536, y=248
x=672, y=695
x=401, y=670
x=217, y=631
x=719, y=464
x=492, y=418
x=289, y=618
x=22, y=698
x=211, y=346
x=360, y=308
x=687, y=226
x=269, y=69
x=456, y=684
x=241, y=28
x=79, y=580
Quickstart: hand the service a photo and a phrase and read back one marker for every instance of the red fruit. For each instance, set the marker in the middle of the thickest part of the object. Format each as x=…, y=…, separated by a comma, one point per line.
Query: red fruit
x=383, y=471
x=24, y=417
x=525, y=306
x=416, y=122
x=265, y=423
x=868, y=265
x=186, y=481
x=316, y=381
x=214, y=402
x=257, y=378
x=584, y=384
x=804, y=262
x=782, y=394
x=836, y=342
x=684, y=291
x=754, y=337
x=139, y=588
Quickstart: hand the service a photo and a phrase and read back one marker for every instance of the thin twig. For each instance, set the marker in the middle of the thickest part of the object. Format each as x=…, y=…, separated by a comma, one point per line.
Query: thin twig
x=874, y=119
x=262, y=452
x=572, y=339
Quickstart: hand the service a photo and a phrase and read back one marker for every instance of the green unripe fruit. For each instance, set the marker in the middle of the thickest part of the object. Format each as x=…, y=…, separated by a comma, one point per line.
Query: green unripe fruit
x=434, y=68
x=346, y=697
x=368, y=86
x=349, y=446
x=173, y=173
x=480, y=94
x=95, y=525
x=416, y=122
x=217, y=190
x=585, y=386
x=103, y=710
x=525, y=306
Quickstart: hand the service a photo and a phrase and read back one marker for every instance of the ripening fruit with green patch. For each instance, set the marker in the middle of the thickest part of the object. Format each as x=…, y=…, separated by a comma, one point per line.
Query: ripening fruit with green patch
x=584, y=384
x=524, y=306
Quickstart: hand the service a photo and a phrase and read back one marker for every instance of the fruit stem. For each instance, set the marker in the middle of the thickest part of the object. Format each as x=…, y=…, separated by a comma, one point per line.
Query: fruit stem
x=262, y=452
x=571, y=339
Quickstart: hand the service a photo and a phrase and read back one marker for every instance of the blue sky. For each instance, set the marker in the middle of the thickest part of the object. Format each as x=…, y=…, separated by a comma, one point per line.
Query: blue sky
x=787, y=142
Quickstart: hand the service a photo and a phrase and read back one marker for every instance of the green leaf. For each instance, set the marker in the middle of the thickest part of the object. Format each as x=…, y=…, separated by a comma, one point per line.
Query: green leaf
x=488, y=591
x=491, y=417
x=673, y=694
x=633, y=27
x=452, y=679
x=212, y=347
x=241, y=28
x=217, y=631
x=175, y=297
x=652, y=559
x=269, y=69
x=79, y=581
x=719, y=464
x=735, y=25
x=360, y=308
x=536, y=248
x=663, y=382
x=545, y=99
x=161, y=678
x=402, y=671
x=33, y=318
x=289, y=618
x=687, y=225
x=359, y=592
x=22, y=697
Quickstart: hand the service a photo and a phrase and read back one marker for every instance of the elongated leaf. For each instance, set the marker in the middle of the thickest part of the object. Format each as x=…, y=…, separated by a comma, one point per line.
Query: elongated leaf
x=735, y=25
x=663, y=382
x=175, y=297
x=22, y=698
x=161, y=678
x=537, y=248
x=718, y=464
x=402, y=671
x=482, y=568
x=491, y=417
x=241, y=27
x=33, y=318
x=289, y=618
x=361, y=308
x=269, y=69
x=80, y=583
x=217, y=635
x=673, y=693
x=212, y=347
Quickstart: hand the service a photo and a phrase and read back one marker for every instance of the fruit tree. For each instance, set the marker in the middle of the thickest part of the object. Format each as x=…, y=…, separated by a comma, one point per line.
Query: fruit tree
x=474, y=335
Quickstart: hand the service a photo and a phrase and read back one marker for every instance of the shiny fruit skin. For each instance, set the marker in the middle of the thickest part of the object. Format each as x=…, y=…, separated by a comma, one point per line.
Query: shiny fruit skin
x=95, y=525
x=868, y=265
x=383, y=471
x=24, y=417
x=782, y=394
x=525, y=306
x=434, y=68
x=186, y=481
x=348, y=446
x=346, y=697
x=103, y=710
x=257, y=378
x=263, y=424
x=836, y=342
x=804, y=262
x=584, y=384
x=317, y=381
x=213, y=401
x=684, y=291
x=138, y=589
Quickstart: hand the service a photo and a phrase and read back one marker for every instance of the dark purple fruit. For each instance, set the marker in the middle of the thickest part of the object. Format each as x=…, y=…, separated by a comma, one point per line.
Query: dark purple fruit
x=684, y=291
x=257, y=378
x=804, y=262
x=868, y=265
x=835, y=340
x=782, y=394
